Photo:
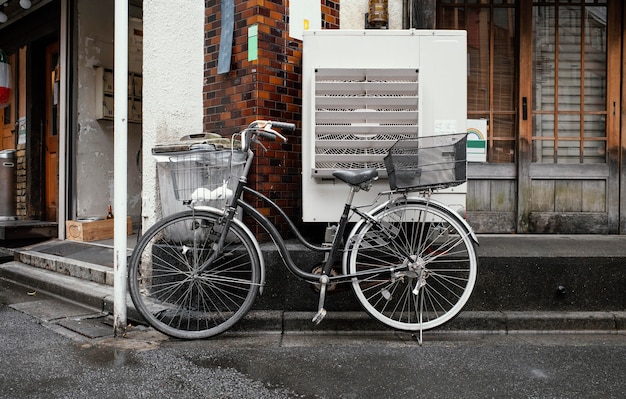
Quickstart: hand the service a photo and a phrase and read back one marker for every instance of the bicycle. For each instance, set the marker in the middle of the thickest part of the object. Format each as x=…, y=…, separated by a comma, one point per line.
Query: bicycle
x=411, y=260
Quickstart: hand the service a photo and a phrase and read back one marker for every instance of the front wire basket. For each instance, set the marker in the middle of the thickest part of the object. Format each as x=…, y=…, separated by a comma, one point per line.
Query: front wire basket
x=427, y=163
x=206, y=176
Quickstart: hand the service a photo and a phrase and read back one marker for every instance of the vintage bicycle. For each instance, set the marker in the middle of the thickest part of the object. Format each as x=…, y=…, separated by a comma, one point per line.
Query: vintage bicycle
x=410, y=260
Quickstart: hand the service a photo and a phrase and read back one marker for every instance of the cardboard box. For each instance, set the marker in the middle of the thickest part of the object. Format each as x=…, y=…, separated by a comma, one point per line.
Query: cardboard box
x=93, y=230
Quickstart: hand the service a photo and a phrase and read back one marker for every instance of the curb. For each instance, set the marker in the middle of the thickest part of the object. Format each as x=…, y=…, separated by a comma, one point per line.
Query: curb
x=5, y=257
x=100, y=296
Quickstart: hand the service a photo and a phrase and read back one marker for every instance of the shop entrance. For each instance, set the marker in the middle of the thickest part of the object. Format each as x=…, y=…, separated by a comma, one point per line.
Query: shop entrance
x=7, y=114
x=50, y=130
x=545, y=78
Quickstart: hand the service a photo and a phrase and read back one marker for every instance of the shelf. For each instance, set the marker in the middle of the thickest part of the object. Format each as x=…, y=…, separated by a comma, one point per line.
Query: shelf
x=105, y=95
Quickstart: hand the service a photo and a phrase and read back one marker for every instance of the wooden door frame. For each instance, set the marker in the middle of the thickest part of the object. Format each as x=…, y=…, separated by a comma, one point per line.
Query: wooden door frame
x=524, y=141
x=610, y=171
x=622, y=123
x=614, y=103
x=51, y=182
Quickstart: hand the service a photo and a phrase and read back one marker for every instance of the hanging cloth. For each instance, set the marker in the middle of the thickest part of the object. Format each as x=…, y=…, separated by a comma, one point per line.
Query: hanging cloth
x=226, y=38
x=5, y=80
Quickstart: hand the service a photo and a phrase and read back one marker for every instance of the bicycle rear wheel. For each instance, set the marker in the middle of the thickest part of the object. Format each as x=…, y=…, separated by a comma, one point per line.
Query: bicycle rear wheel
x=167, y=288
x=437, y=261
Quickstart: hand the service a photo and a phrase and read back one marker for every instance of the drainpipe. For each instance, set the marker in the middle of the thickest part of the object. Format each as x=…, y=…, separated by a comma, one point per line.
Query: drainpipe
x=406, y=14
x=120, y=149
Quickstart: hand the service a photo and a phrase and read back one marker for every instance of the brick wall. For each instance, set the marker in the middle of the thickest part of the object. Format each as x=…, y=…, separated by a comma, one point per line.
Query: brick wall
x=20, y=186
x=267, y=88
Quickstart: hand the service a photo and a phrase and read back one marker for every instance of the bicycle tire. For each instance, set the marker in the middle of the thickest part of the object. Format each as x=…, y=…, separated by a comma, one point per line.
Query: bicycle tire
x=440, y=256
x=169, y=293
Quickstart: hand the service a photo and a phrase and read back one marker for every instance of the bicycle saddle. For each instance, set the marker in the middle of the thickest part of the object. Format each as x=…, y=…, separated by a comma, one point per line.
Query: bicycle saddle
x=356, y=177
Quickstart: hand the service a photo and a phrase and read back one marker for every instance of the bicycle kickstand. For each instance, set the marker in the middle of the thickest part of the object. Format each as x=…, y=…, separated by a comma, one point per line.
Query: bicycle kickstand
x=321, y=312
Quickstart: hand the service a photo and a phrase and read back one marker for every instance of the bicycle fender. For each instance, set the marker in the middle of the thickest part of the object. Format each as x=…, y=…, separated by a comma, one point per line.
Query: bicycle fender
x=446, y=208
x=245, y=228
x=441, y=206
x=434, y=203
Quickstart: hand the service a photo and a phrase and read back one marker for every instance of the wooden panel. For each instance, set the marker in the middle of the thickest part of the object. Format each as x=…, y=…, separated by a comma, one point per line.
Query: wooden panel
x=478, y=195
x=491, y=171
x=543, y=195
x=491, y=195
x=568, y=196
x=503, y=196
x=491, y=206
x=594, y=196
x=574, y=172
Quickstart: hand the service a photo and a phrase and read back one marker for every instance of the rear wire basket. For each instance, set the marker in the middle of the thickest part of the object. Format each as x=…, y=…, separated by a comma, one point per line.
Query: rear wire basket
x=430, y=162
x=206, y=176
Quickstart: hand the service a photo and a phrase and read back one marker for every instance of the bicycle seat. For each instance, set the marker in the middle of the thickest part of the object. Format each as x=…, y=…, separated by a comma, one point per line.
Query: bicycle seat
x=356, y=177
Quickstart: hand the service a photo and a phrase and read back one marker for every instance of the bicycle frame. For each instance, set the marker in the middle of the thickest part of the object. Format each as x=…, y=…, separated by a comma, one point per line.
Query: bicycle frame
x=334, y=250
x=410, y=260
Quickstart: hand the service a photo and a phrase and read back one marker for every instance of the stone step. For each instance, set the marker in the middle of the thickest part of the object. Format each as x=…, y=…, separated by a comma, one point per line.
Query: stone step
x=100, y=298
x=516, y=273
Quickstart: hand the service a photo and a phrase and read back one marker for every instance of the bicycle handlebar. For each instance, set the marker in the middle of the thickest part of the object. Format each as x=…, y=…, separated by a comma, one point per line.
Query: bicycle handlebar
x=265, y=129
x=284, y=126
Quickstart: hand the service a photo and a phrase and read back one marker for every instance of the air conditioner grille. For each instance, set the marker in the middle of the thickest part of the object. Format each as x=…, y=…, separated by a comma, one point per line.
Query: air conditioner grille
x=359, y=114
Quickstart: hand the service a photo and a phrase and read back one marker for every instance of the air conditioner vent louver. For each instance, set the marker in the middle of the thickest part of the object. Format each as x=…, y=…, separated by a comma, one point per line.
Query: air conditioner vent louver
x=359, y=114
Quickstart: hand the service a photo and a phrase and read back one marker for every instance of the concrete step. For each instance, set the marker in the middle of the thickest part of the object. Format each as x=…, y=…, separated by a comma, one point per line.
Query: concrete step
x=87, y=271
x=5, y=256
x=517, y=273
x=27, y=229
x=100, y=297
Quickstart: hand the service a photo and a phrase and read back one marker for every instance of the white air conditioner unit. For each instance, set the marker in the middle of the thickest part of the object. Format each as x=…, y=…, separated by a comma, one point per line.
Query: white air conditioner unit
x=364, y=90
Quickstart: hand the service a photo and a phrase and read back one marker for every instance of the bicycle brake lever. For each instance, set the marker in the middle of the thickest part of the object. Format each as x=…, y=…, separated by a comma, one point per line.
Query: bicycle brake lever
x=261, y=144
x=280, y=136
x=271, y=134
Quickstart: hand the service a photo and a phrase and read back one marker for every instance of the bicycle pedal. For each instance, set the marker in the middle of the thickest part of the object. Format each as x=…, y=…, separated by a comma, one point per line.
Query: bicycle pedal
x=319, y=316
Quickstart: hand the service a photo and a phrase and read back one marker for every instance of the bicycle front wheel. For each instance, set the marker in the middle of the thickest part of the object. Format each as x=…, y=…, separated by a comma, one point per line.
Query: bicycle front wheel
x=182, y=287
x=435, y=261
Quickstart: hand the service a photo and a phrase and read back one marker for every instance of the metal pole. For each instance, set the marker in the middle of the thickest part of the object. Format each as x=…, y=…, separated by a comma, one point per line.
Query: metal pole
x=63, y=120
x=120, y=148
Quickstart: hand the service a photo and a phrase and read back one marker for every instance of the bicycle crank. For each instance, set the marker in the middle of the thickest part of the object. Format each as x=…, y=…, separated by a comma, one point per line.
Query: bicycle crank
x=321, y=312
x=330, y=287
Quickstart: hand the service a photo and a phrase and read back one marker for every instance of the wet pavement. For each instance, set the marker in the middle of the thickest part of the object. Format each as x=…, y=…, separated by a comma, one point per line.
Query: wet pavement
x=52, y=348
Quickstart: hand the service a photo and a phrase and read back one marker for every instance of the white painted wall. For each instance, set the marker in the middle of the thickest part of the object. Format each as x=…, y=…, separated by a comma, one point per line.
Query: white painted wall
x=173, y=73
x=352, y=14
x=94, y=145
x=173, y=67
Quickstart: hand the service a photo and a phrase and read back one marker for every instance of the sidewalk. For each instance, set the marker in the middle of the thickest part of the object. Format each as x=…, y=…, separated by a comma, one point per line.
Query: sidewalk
x=526, y=283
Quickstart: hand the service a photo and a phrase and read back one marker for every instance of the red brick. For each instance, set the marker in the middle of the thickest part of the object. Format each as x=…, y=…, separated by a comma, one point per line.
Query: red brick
x=268, y=88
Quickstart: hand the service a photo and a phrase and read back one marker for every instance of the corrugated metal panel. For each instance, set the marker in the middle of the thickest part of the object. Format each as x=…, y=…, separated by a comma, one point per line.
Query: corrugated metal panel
x=360, y=113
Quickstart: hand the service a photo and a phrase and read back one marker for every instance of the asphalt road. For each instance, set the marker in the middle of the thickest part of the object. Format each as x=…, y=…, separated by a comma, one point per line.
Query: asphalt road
x=44, y=355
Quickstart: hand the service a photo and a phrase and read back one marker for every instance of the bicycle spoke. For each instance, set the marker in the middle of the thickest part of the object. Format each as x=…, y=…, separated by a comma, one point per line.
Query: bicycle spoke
x=434, y=262
x=170, y=293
